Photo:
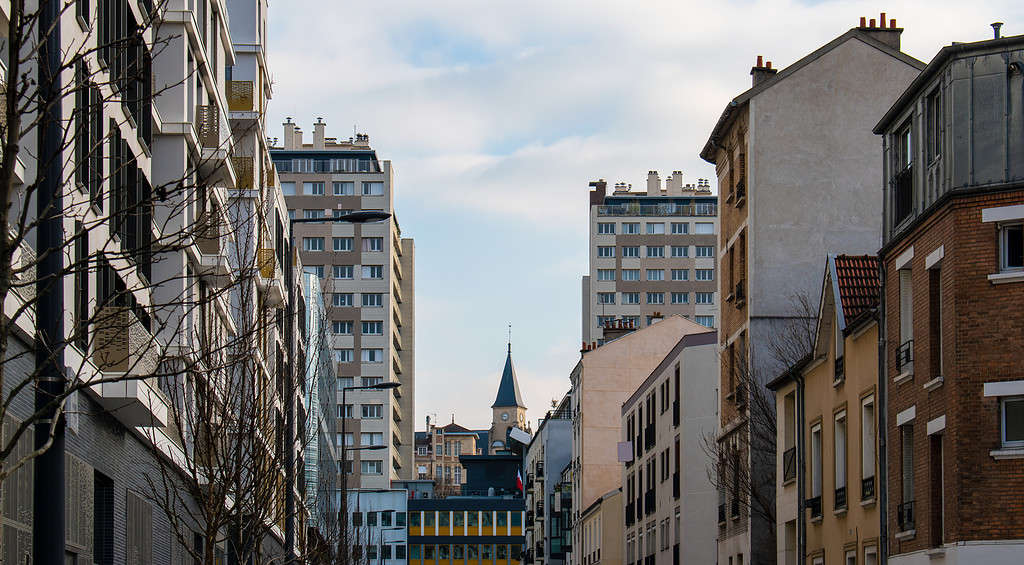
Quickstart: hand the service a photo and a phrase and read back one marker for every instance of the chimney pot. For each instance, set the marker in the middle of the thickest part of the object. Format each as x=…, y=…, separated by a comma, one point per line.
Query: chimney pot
x=892, y=23
x=863, y=21
x=760, y=60
x=871, y=23
x=768, y=65
x=995, y=29
x=881, y=20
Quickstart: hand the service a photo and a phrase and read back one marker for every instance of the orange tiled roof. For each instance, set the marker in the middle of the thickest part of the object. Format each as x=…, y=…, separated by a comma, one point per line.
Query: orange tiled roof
x=857, y=280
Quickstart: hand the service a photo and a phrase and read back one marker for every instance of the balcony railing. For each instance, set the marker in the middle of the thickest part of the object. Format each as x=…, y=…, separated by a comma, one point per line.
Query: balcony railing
x=244, y=170
x=208, y=125
x=814, y=504
x=905, y=516
x=905, y=354
x=840, y=501
x=867, y=488
x=789, y=464
x=241, y=96
x=658, y=210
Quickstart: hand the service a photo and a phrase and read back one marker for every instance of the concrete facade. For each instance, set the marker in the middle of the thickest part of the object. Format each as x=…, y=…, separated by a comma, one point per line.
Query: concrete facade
x=378, y=524
x=601, y=527
x=437, y=455
x=667, y=495
x=547, y=454
x=366, y=270
x=651, y=253
x=798, y=176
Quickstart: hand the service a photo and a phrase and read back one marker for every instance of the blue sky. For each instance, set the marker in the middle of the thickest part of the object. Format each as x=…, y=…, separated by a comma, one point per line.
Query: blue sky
x=497, y=115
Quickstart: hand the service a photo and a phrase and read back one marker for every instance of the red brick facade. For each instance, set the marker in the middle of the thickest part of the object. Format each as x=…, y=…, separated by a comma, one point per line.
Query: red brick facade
x=982, y=333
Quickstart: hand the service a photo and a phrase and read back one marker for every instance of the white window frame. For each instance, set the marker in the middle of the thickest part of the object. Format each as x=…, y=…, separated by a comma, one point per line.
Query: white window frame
x=313, y=188
x=370, y=186
x=340, y=324
x=659, y=297
x=312, y=244
x=606, y=274
x=868, y=453
x=684, y=297
x=657, y=274
x=340, y=244
x=371, y=411
x=708, y=318
x=653, y=227
x=631, y=273
x=680, y=227
x=630, y=250
x=709, y=226
x=630, y=228
x=708, y=273
x=372, y=272
x=339, y=188
x=704, y=298
x=631, y=295
x=343, y=355
x=341, y=299
x=606, y=298
x=1003, y=248
x=371, y=355
x=683, y=251
x=1016, y=444
x=840, y=450
x=816, y=463
x=372, y=325
x=708, y=251
x=651, y=254
x=606, y=228
x=367, y=303
x=684, y=274
x=337, y=270
x=606, y=251
x=371, y=467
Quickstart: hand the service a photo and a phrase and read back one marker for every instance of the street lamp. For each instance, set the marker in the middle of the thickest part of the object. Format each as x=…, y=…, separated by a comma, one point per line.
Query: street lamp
x=357, y=217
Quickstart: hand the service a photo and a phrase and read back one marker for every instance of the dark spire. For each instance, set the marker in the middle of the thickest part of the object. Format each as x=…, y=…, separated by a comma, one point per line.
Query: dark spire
x=508, y=389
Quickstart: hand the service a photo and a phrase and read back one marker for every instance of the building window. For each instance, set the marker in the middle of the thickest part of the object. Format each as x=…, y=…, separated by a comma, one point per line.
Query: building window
x=839, y=437
x=631, y=251
x=317, y=270
x=705, y=274
x=867, y=448
x=680, y=227
x=313, y=188
x=905, y=511
x=631, y=298
x=1011, y=247
x=655, y=228
x=655, y=250
x=344, y=188
x=375, y=188
x=631, y=228
x=343, y=356
x=680, y=274
x=373, y=300
x=704, y=297
x=372, y=438
x=373, y=328
x=373, y=355
x=630, y=274
x=816, y=470
x=1011, y=418
x=606, y=298
x=313, y=214
x=372, y=272
x=935, y=483
x=373, y=244
x=372, y=381
x=345, y=382
x=342, y=243
x=655, y=297
x=707, y=321
x=341, y=327
x=905, y=353
x=603, y=321
x=341, y=299
x=933, y=124
x=903, y=179
x=935, y=322
x=345, y=411
x=606, y=274
x=342, y=272
x=371, y=468
x=372, y=411
x=704, y=228
x=312, y=244
x=605, y=251
x=680, y=298
x=655, y=274
x=680, y=250
x=288, y=188
x=705, y=251
x=606, y=228
x=458, y=475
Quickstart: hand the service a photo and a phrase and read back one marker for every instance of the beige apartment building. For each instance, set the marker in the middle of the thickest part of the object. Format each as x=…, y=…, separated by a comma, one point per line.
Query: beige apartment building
x=798, y=177
x=828, y=405
x=601, y=527
x=668, y=496
x=602, y=380
x=437, y=455
x=366, y=271
x=651, y=253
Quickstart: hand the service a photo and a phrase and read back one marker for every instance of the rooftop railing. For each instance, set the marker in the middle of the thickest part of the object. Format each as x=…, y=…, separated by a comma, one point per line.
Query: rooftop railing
x=667, y=209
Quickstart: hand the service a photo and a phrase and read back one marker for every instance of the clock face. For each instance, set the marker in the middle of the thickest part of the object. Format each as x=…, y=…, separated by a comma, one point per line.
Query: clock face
x=504, y=416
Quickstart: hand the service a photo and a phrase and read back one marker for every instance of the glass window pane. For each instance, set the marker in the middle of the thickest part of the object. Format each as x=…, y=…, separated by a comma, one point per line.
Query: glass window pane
x=1013, y=419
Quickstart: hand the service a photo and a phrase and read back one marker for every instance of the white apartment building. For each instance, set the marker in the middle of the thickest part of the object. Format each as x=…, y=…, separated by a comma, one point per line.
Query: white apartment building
x=651, y=253
x=366, y=271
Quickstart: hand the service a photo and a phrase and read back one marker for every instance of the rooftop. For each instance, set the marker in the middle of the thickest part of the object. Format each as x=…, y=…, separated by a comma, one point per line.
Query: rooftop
x=856, y=279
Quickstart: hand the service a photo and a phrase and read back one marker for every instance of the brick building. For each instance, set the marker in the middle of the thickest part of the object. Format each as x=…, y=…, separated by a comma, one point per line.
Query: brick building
x=953, y=329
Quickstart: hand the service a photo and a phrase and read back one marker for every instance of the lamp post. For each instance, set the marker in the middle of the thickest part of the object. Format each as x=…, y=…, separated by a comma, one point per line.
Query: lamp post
x=357, y=217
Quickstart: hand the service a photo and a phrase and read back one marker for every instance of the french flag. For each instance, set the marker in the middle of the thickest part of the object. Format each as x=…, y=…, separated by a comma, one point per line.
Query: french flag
x=519, y=480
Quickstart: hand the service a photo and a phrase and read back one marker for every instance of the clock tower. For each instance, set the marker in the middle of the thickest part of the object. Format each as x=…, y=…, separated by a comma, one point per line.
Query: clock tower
x=508, y=410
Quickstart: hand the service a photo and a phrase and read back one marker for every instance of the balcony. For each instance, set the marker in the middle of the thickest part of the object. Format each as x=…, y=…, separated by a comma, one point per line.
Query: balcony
x=905, y=357
x=244, y=172
x=814, y=504
x=905, y=516
x=213, y=263
x=840, y=500
x=789, y=464
x=242, y=98
x=123, y=345
x=667, y=209
x=214, y=135
x=208, y=125
x=867, y=488
x=271, y=280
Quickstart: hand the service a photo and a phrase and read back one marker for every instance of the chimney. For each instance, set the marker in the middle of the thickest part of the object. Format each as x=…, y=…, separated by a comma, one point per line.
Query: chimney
x=600, y=190
x=616, y=329
x=761, y=71
x=289, y=133
x=653, y=183
x=298, y=139
x=318, y=133
x=674, y=183
x=996, y=26
x=887, y=34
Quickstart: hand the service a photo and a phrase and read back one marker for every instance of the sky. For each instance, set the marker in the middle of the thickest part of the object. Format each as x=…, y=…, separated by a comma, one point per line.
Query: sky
x=497, y=114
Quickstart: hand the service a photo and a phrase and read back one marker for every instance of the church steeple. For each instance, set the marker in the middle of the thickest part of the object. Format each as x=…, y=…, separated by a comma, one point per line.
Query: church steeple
x=508, y=389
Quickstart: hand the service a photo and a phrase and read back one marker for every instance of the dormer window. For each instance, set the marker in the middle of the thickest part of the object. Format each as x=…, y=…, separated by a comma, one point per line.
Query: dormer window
x=903, y=179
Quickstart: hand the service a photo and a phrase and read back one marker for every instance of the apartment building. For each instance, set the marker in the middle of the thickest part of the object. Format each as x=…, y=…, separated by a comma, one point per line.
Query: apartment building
x=366, y=270
x=601, y=381
x=601, y=527
x=786, y=200
x=667, y=494
x=548, y=453
x=953, y=280
x=437, y=455
x=378, y=525
x=827, y=427
x=651, y=253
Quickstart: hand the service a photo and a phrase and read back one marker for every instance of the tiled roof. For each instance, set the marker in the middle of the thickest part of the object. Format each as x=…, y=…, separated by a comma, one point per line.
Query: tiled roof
x=857, y=280
x=454, y=428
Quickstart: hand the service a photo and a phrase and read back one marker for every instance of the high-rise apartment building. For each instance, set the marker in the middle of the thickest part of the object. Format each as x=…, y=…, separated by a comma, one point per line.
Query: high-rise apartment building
x=367, y=276
x=652, y=254
x=798, y=177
